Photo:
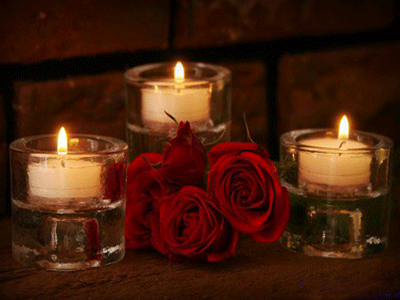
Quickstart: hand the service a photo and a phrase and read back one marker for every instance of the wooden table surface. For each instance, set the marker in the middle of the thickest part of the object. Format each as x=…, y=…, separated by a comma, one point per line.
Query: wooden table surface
x=259, y=271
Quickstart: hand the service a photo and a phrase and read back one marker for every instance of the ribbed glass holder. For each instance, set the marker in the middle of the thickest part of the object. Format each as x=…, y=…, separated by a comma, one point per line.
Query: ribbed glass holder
x=68, y=209
x=339, y=192
x=153, y=95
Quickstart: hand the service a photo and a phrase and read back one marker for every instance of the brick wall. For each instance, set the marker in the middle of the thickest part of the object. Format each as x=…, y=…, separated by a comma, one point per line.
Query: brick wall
x=295, y=63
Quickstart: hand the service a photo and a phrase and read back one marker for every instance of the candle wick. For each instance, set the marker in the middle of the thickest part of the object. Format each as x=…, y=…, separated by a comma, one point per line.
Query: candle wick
x=340, y=146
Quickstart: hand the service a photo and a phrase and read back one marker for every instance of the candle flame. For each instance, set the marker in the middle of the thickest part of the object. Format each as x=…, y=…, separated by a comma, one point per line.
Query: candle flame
x=344, y=128
x=62, y=146
x=179, y=72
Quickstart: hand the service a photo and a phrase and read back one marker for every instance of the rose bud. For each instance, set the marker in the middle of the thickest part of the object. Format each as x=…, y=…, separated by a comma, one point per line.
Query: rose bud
x=185, y=158
x=190, y=226
x=143, y=190
x=143, y=162
x=245, y=184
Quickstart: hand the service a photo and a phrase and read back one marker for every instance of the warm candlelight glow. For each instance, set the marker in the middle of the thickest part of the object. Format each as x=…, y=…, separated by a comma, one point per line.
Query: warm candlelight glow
x=179, y=72
x=62, y=146
x=344, y=128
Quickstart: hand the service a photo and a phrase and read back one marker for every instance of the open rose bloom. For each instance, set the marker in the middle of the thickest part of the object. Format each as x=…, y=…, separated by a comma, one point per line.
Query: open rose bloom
x=168, y=208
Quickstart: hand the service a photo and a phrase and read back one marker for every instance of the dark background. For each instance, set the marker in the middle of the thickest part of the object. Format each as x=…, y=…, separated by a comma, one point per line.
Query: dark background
x=295, y=63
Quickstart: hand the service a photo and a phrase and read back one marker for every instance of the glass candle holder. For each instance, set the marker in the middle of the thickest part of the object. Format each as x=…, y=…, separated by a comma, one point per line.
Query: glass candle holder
x=202, y=97
x=339, y=192
x=68, y=210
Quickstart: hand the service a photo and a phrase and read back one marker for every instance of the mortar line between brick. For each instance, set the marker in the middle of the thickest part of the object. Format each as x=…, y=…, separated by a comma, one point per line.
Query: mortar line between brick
x=118, y=61
x=7, y=92
x=271, y=83
x=173, y=5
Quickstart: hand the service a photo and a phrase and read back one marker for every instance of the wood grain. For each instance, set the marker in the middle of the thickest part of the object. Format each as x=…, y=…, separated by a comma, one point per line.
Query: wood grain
x=259, y=271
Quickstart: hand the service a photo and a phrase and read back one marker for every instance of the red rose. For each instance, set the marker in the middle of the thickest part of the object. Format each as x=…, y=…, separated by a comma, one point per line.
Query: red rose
x=143, y=190
x=245, y=184
x=185, y=158
x=190, y=226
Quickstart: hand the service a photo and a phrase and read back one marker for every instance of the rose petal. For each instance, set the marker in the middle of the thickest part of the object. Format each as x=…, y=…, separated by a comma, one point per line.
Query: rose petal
x=236, y=171
x=278, y=222
x=192, y=228
x=234, y=148
x=185, y=158
x=142, y=195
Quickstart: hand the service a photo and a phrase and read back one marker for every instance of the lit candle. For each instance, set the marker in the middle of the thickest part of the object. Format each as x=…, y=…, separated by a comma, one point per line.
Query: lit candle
x=180, y=100
x=335, y=162
x=64, y=175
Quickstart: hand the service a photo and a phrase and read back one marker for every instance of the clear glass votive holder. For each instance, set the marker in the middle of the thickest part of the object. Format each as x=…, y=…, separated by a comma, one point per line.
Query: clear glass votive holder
x=340, y=195
x=68, y=210
x=202, y=97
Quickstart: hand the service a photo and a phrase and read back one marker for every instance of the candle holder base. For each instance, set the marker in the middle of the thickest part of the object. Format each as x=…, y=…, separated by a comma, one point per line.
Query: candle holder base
x=54, y=266
x=351, y=228
x=143, y=139
x=68, y=241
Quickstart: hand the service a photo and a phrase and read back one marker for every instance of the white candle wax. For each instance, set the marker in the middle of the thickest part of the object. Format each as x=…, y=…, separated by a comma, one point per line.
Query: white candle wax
x=184, y=104
x=64, y=177
x=333, y=167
